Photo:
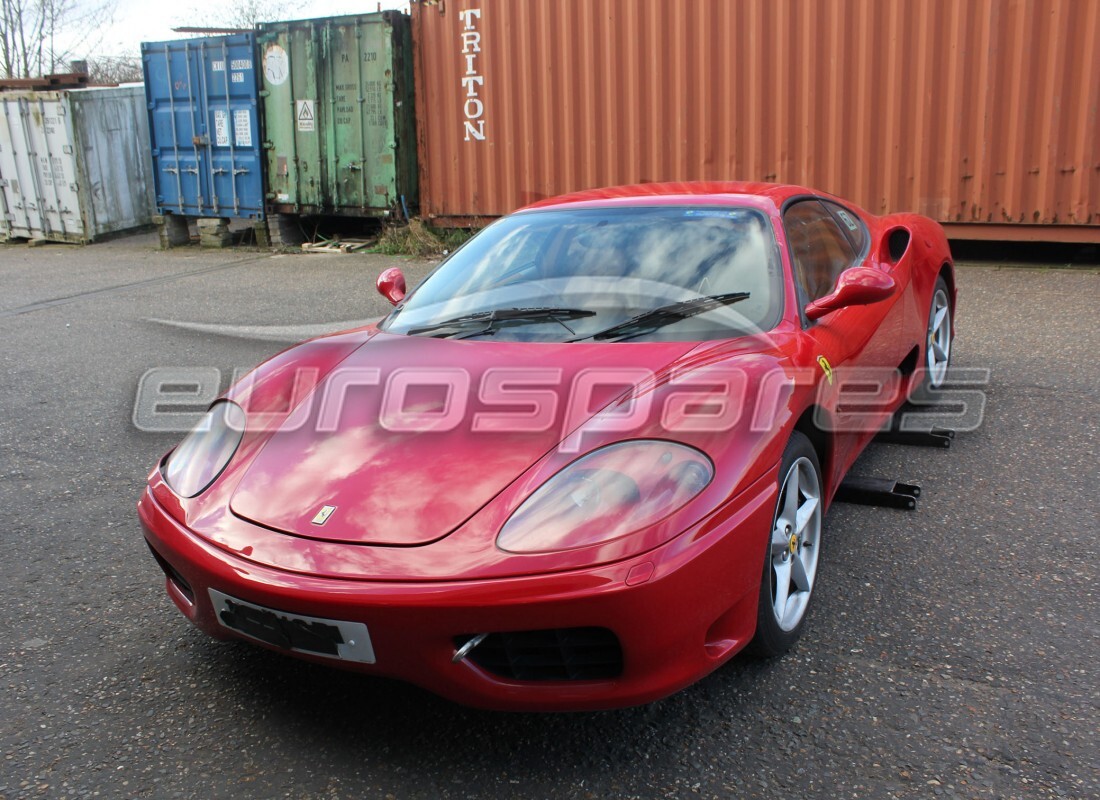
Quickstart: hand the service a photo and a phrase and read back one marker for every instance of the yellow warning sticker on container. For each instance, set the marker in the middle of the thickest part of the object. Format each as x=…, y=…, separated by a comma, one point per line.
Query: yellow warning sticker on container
x=826, y=367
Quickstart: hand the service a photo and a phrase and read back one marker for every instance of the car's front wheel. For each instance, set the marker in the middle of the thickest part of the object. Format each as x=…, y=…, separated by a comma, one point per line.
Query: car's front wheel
x=937, y=344
x=793, y=553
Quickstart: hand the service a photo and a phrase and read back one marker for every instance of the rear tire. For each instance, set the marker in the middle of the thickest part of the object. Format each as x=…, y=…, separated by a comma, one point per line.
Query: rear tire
x=793, y=552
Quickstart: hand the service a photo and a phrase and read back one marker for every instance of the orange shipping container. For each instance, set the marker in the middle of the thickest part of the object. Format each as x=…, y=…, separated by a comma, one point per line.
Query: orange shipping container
x=981, y=114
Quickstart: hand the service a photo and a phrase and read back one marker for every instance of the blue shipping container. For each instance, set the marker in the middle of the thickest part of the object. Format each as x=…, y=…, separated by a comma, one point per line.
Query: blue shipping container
x=204, y=123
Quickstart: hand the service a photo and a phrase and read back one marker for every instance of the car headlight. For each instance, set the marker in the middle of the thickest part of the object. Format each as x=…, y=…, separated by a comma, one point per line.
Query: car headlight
x=204, y=453
x=609, y=493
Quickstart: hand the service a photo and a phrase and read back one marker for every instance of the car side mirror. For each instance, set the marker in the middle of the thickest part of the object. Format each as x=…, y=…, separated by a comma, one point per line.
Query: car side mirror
x=391, y=285
x=857, y=286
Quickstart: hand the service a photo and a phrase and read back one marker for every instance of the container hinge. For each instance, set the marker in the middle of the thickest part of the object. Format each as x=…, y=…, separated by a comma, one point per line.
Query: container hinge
x=3, y=184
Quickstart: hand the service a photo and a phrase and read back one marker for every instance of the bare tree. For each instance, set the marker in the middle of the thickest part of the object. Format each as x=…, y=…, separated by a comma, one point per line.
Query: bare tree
x=114, y=69
x=246, y=13
x=38, y=37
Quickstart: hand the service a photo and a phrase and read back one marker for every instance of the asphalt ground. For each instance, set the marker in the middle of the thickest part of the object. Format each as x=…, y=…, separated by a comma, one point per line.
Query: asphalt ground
x=952, y=651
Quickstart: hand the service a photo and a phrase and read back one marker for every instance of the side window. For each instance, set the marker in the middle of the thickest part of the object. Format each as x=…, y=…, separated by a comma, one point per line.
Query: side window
x=819, y=248
x=851, y=224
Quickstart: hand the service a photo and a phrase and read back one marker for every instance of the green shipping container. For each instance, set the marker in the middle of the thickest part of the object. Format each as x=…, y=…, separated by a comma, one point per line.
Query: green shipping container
x=338, y=115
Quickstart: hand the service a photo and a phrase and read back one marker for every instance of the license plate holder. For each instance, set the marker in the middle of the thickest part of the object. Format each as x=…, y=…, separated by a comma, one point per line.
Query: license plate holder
x=316, y=636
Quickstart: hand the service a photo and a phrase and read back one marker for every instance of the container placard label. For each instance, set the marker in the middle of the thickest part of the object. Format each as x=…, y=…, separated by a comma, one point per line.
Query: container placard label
x=221, y=128
x=52, y=170
x=307, y=120
x=276, y=65
x=242, y=127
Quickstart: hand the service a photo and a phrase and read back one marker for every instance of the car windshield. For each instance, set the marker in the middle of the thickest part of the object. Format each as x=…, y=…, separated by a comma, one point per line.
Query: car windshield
x=668, y=273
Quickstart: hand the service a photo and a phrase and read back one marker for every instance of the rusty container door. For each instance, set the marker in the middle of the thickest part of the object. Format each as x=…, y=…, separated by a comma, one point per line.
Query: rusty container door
x=291, y=91
x=339, y=115
x=982, y=114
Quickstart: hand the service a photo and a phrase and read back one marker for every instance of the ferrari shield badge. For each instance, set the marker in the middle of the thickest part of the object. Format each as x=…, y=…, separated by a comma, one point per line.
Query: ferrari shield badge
x=822, y=362
x=323, y=515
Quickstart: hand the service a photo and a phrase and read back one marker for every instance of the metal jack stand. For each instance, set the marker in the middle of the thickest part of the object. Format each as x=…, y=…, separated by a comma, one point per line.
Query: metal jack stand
x=878, y=492
x=934, y=437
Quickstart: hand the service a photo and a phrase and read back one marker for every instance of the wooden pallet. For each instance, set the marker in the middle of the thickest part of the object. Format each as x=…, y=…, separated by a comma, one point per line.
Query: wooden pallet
x=340, y=246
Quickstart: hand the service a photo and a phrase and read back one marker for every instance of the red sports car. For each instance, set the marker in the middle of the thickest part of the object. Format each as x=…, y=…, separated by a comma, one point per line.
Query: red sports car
x=581, y=465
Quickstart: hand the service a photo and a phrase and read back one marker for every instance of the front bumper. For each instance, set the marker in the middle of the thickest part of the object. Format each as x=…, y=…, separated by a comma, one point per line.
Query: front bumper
x=678, y=611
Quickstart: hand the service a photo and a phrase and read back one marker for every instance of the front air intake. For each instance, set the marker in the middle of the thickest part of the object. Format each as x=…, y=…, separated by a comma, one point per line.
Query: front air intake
x=173, y=575
x=560, y=654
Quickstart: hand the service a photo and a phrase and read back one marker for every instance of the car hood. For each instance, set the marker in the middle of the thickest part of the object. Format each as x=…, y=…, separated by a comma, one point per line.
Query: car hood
x=376, y=442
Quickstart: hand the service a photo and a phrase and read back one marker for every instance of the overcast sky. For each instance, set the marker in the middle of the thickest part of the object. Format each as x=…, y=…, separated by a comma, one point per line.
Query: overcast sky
x=139, y=21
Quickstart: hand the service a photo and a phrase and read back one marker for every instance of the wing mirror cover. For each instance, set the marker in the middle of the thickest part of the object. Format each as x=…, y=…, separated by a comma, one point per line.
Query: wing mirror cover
x=391, y=285
x=857, y=286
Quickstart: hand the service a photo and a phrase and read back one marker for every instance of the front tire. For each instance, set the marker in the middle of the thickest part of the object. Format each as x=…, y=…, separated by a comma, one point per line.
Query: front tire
x=793, y=552
x=937, y=344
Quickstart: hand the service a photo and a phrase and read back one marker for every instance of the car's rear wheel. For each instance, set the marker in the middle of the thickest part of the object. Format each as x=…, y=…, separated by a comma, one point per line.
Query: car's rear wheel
x=793, y=552
x=937, y=351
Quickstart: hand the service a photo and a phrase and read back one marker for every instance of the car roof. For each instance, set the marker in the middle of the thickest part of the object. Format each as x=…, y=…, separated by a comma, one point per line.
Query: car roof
x=680, y=192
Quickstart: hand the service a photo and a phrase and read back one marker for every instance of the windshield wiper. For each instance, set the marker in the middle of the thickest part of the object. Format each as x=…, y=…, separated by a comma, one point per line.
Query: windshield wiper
x=504, y=316
x=664, y=315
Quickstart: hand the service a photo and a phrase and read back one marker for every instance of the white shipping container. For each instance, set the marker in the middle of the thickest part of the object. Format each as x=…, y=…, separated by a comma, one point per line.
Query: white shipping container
x=74, y=164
